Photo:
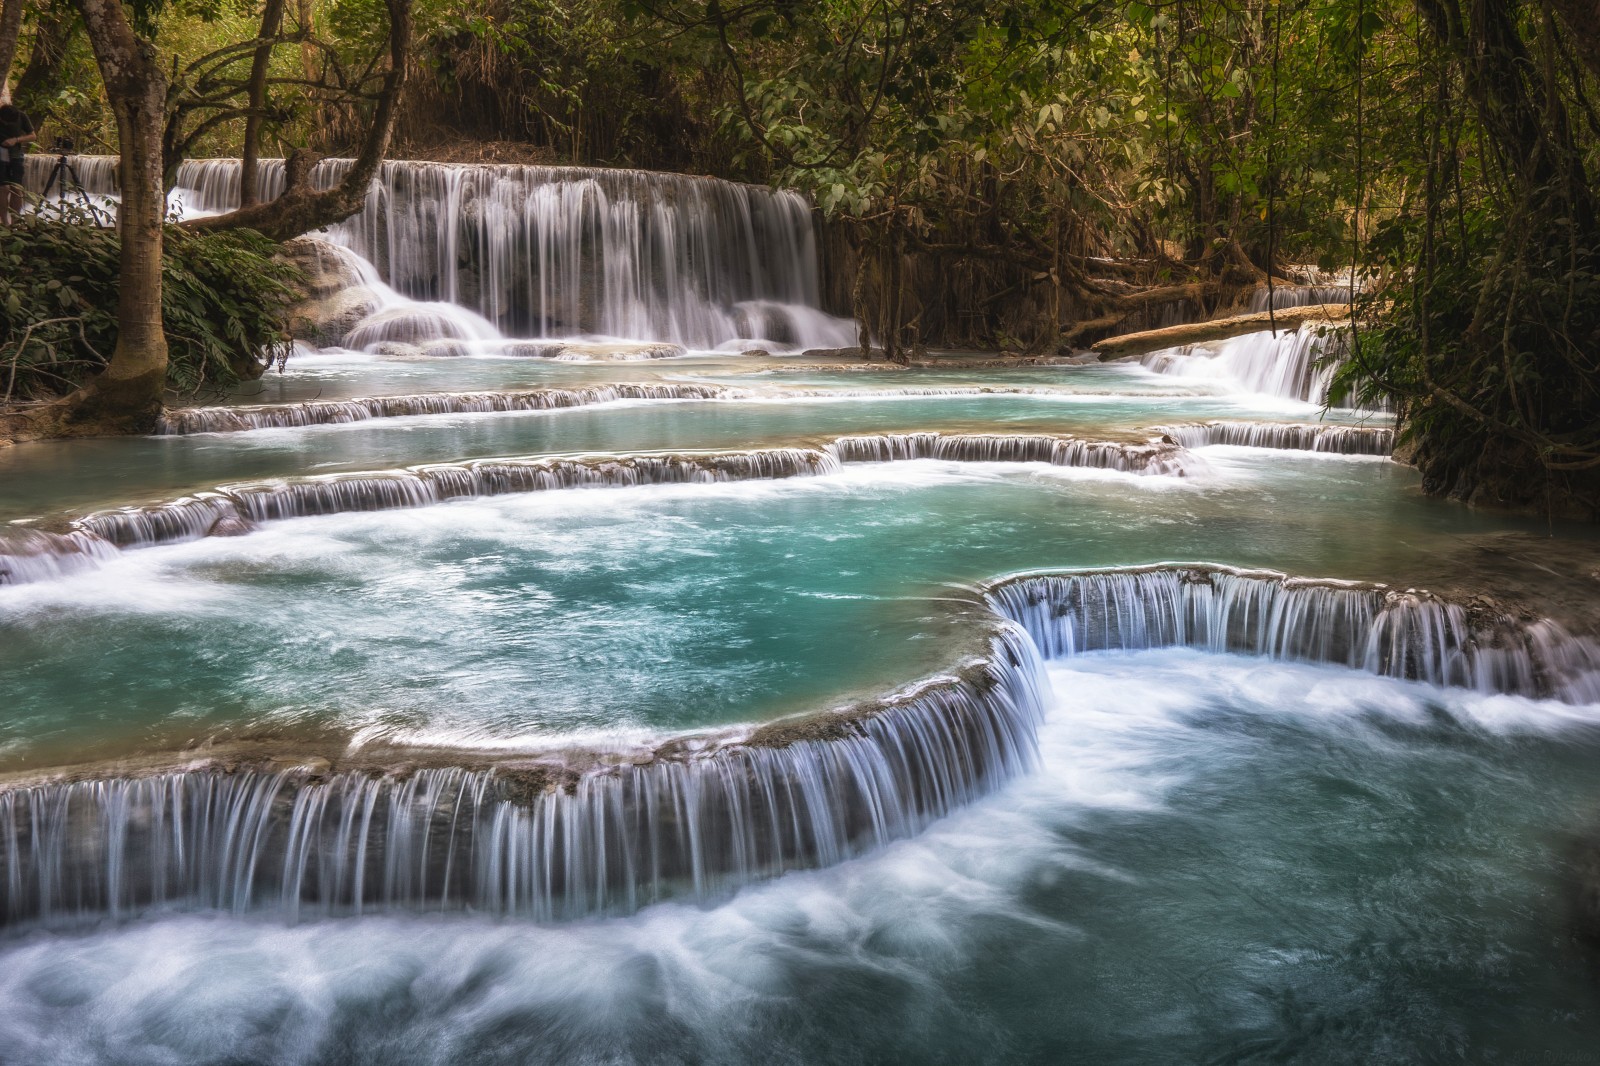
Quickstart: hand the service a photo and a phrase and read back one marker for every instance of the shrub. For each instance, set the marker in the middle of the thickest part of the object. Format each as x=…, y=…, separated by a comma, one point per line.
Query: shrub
x=224, y=304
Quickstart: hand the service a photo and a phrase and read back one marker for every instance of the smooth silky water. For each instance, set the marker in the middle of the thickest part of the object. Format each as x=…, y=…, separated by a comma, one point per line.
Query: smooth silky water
x=79, y=475
x=340, y=375
x=1214, y=856
x=1217, y=859
x=572, y=614
x=1151, y=854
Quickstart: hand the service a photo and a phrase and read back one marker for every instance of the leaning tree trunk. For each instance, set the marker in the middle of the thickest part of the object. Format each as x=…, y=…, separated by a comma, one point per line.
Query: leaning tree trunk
x=303, y=208
x=126, y=396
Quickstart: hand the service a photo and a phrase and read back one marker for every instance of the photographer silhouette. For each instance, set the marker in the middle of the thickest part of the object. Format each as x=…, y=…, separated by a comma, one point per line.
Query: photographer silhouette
x=16, y=133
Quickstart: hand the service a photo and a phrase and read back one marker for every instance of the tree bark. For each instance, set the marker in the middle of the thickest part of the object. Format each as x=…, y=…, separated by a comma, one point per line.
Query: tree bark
x=126, y=396
x=10, y=30
x=250, y=155
x=302, y=208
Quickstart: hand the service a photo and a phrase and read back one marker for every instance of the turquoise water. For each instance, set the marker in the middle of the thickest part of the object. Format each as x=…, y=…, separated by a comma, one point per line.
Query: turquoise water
x=623, y=613
x=83, y=475
x=330, y=376
x=1217, y=859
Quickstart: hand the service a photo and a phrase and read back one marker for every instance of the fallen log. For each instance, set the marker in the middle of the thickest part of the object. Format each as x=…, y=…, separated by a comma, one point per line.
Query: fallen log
x=1151, y=340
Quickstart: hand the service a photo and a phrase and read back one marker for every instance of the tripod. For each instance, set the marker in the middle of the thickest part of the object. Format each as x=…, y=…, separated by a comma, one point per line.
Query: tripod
x=60, y=175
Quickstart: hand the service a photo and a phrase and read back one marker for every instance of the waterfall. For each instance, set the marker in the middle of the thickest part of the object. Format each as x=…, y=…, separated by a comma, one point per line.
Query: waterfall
x=1316, y=437
x=1140, y=458
x=183, y=420
x=1294, y=364
x=541, y=251
x=1411, y=635
x=537, y=841
x=233, y=509
x=231, y=418
x=700, y=816
x=1286, y=296
x=28, y=555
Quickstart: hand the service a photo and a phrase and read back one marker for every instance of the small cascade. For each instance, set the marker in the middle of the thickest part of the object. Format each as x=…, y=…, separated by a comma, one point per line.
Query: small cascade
x=1314, y=437
x=184, y=420
x=97, y=172
x=28, y=555
x=1294, y=364
x=1410, y=635
x=195, y=516
x=437, y=328
x=1143, y=458
x=233, y=509
x=539, y=251
x=1286, y=296
x=541, y=842
x=232, y=419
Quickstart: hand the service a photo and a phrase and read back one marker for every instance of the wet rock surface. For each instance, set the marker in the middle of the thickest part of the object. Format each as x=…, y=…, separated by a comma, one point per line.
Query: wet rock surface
x=334, y=298
x=1523, y=574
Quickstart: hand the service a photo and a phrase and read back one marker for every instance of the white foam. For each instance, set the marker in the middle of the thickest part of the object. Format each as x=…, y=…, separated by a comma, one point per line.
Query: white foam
x=905, y=926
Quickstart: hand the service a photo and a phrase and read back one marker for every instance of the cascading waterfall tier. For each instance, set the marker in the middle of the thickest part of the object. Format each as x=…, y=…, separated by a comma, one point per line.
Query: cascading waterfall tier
x=28, y=555
x=700, y=816
x=1297, y=364
x=182, y=420
x=1286, y=296
x=1151, y=458
x=566, y=251
x=694, y=821
x=1403, y=634
x=421, y=486
x=234, y=509
x=1288, y=436
x=232, y=419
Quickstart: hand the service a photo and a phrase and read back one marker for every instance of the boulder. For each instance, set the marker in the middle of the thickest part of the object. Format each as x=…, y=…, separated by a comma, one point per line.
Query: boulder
x=335, y=295
x=230, y=526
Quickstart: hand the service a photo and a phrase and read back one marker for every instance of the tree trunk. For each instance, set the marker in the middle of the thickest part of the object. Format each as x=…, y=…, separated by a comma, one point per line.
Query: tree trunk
x=10, y=30
x=126, y=396
x=250, y=156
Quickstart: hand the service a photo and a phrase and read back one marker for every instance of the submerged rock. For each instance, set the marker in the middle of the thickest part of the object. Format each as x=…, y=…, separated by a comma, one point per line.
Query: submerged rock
x=622, y=352
x=231, y=526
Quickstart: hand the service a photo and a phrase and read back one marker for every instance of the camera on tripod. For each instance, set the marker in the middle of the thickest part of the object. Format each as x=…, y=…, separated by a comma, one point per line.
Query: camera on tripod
x=65, y=184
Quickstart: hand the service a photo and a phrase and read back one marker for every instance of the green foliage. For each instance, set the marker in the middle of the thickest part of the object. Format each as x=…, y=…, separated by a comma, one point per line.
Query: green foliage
x=1489, y=332
x=564, y=75
x=224, y=298
x=1004, y=147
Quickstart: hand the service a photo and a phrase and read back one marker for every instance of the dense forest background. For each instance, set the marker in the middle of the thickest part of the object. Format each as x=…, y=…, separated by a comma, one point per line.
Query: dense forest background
x=1020, y=175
